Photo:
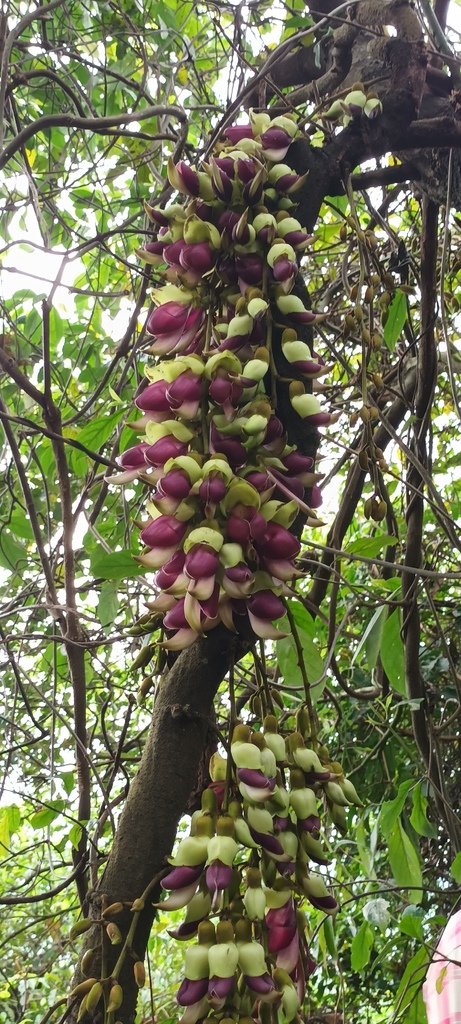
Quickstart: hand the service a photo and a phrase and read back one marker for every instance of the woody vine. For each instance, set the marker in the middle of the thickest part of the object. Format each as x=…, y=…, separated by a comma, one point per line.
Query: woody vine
x=229, y=498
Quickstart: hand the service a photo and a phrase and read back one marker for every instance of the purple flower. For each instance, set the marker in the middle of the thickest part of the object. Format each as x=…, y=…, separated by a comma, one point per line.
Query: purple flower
x=246, y=526
x=236, y=132
x=170, y=571
x=174, y=326
x=191, y=992
x=201, y=561
x=175, y=484
x=255, y=777
x=172, y=253
x=220, y=988
x=153, y=397
x=238, y=581
x=221, y=183
x=187, y=179
x=212, y=489
x=284, y=269
x=277, y=140
x=262, y=984
x=218, y=876
x=199, y=258
x=227, y=223
x=229, y=446
x=224, y=391
x=186, y=388
x=297, y=463
x=134, y=458
x=175, y=618
x=277, y=542
x=165, y=448
x=247, y=169
x=310, y=824
x=163, y=532
x=186, y=930
x=267, y=841
x=182, y=876
x=274, y=430
x=225, y=163
x=249, y=267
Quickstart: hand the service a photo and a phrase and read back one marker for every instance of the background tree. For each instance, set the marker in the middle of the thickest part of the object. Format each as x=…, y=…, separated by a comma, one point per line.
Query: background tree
x=94, y=99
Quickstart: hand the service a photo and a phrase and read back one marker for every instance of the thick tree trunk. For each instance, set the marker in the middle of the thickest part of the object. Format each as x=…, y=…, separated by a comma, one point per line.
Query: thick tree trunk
x=158, y=797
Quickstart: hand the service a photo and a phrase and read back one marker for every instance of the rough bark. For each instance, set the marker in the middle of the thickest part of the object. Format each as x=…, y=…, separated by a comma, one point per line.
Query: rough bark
x=159, y=795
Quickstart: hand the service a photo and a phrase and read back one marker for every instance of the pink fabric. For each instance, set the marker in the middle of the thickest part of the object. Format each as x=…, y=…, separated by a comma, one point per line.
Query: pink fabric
x=442, y=987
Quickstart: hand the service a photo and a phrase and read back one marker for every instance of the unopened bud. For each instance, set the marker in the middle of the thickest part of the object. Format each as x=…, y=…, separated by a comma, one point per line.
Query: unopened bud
x=113, y=909
x=87, y=960
x=83, y=987
x=277, y=699
x=138, y=904
x=139, y=973
x=114, y=934
x=256, y=706
x=93, y=997
x=144, y=656
x=80, y=927
x=115, y=998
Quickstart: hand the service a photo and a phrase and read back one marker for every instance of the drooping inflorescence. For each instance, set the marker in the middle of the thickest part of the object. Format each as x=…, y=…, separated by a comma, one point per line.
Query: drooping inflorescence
x=247, y=863
x=228, y=484
x=227, y=488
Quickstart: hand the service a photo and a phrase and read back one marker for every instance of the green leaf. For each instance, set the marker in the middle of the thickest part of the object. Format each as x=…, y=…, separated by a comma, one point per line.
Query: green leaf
x=411, y=923
x=46, y=815
x=10, y=820
x=75, y=835
x=371, y=638
x=68, y=781
x=392, y=654
x=396, y=318
x=409, y=1005
x=20, y=526
x=93, y=435
x=418, y=817
x=404, y=862
x=455, y=869
x=362, y=945
x=392, y=809
x=369, y=547
x=114, y=565
x=107, y=604
x=13, y=557
x=287, y=655
x=330, y=937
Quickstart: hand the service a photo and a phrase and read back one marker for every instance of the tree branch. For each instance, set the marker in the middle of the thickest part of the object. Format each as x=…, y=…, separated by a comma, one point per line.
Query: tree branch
x=100, y=125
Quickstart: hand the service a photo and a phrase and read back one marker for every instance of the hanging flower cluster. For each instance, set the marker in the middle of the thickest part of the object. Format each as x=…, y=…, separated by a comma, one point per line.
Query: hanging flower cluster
x=248, y=862
x=228, y=485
